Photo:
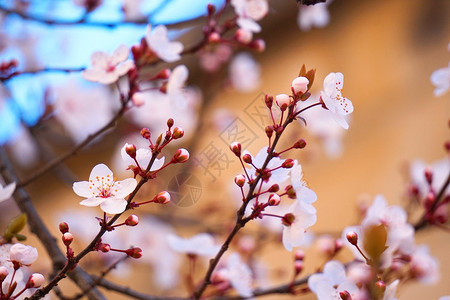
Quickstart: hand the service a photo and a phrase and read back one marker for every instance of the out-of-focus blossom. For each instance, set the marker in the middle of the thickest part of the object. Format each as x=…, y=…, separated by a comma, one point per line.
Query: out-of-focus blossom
x=25, y=150
x=81, y=110
x=143, y=156
x=331, y=95
x=102, y=189
x=23, y=254
x=238, y=274
x=132, y=9
x=441, y=80
x=244, y=73
x=159, y=43
x=212, y=58
x=7, y=191
x=201, y=244
x=250, y=11
x=310, y=16
x=424, y=267
x=391, y=289
x=440, y=170
x=178, y=103
x=333, y=280
x=107, y=68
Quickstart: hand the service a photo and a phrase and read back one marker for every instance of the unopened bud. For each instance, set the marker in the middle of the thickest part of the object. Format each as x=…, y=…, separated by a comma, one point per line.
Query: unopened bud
x=211, y=9
x=380, y=287
x=104, y=248
x=299, y=255
x=269, y=101
x=134, y=252
x=236, y=148
x=298, y=265
x=429, y=200
x=162, y=198
x=130, y=150
x=338, y=244
x=163, y=74
x=3, y=273
x=178, y=132
x=274, y=188
x=63, y=227
x=170, y=123
x=145, y=133
x=35, y=280
x=352, y=237
x=274, y=199
x=247, y=158
x=259, y=45
x=429, y=175
x=67, y=238
x=300, y=85
x=300, y=144
x=269, y=131
x=239, y=180
x=214, y=37
x=345, y=295
x=243, y=36
x=159, y=140
x=180, y=156
x=288, y=163
x=283, y=101
x=132, y=220
x=138, y=99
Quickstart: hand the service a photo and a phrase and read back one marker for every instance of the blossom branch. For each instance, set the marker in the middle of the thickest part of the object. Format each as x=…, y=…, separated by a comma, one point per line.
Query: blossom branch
x=37, y=71
x=38, y=227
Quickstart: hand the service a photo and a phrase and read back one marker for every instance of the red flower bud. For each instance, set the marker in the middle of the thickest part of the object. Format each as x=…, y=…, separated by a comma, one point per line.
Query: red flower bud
x=181, y=156
x=132, y=220
x=247, y=158
x=178, y=132
x=130, y=149
x=236, y=148
x=352, y=237
x=63, y=227
x=300, y=144
x=145, y=133
x=239, y=180
x=134, y=252
x=67, y=238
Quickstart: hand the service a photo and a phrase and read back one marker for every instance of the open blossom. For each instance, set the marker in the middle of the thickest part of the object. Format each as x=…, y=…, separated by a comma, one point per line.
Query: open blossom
x=143, y=157
x=440, y=170
x=23, y=254
x=249, y=11
x=160, y=44
x=102, y=189
x=201, y=244
x=332, y=97
x=333, y=280
x=238, y=274
x=107, y=68
x=300, y=216
x=310, y=16
x=7, y=191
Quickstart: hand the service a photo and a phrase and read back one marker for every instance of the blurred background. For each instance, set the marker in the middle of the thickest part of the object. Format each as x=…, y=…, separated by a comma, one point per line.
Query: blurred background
x=386, y=50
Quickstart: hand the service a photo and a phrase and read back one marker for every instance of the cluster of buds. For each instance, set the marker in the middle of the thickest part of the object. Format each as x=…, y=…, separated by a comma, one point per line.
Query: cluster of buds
x=298, y=262
x=133, y=252
x=67, y=239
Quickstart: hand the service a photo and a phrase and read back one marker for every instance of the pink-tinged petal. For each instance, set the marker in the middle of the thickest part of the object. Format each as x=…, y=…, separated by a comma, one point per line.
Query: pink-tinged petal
x=123, y=188
x=340, y=119
x=335, y=272
x=177, y=79
x=158, y=164
x=94, y=201
x=120, y=54
x=248, y=24
x=81, y=188
x=108, y=78
x=100, y=60
x=329, y=85
x=314, y=280
x=124, y=67
x=114, y=205
x=7, y=191
x=99, y=171
x=92, y=74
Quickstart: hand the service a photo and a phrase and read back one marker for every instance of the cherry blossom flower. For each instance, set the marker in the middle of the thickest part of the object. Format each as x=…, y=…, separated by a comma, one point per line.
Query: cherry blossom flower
x=6, y=263
x=303, y=193
x=333, y=280
x=440, y=170
x=424, y=267
x=107, y=68
x=160, y=44
x=238, y=274
x=143, y=157
x=23, y=254
x=440, y=78
x=80, y=110
x=102, y=189
x=310, y=16
x=212, y=58
x=244, y=73
x=201, y=244
x=249, y=11
x=332, y=97
x=7, y=191
x=301, y=216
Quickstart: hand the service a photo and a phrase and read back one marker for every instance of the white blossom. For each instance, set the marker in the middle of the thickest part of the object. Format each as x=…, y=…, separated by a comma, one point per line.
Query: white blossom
x=310, y=16
x=250, y=11
x=159, y=43
x=238, y=274
x=23, y=254
x=244, y=73
x=424, y=267
x=304, y=216
x=440, y=78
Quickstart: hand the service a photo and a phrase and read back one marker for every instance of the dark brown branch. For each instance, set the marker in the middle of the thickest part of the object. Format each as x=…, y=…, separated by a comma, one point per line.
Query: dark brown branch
x=38, y=227
x=37, y=71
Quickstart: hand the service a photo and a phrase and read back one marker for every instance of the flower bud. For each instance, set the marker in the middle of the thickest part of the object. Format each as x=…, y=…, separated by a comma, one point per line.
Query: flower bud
x=300, y=85
x=298, y=265
x=299, y=255
x=269, y=101
x=352, y=237
x=180, y=156
x=247, y=158
x=104, y=248
x=138, y=99
x=283, y=101
x=269, y=131
x=134, y=252
x=380, y=287
x=236, y=148
x=211, y=9
x=239, y=180
x=67, y=238
x=429, y=175
x=162, y=198
x=300, y=144
x=145, y=133
x=274, y=188
x=163, y=74
x=259, y=45
x=288, y=163
x=345, y=295
x=3, y=273
x=132, y=220
x=178, y=132
x=35, y=280
x=170, y=123
x=214, y=37
x=63, y=227
x=274, y=200
x=243, y=36
x=130, y=149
